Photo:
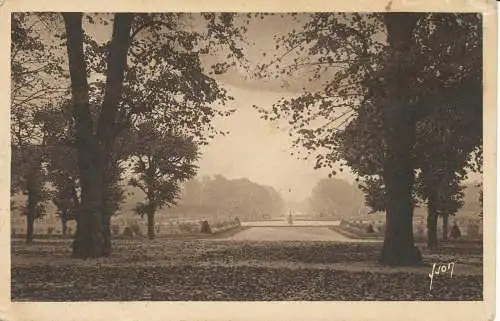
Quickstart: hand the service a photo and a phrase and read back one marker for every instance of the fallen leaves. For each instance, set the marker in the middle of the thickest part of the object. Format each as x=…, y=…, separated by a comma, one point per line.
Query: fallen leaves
x=201, y=270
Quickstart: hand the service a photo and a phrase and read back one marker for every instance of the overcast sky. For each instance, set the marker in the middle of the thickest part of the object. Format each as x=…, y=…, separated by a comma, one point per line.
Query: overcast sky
x=255, y=148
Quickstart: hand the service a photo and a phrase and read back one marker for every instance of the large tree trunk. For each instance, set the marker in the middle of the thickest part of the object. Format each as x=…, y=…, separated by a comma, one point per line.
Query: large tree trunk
x=31, y=208
x=398, y=247
x=432, y=219
x=151, y=225
x=151, y=209
x=399, y=133
x=30, y=227
x=64, y=223
x=117, y=63
x=110, y=200
x=445, y=227
x=94, y=150
x=106, y=131
x=30, y=220
x=88, y=239
x=106, y=233
x=107, y=212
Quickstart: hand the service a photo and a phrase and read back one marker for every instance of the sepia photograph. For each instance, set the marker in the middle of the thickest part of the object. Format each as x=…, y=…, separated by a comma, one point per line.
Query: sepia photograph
x=244, y=156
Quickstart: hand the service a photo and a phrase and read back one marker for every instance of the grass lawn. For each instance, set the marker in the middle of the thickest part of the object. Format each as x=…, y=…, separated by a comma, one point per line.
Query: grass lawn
x=215, y=269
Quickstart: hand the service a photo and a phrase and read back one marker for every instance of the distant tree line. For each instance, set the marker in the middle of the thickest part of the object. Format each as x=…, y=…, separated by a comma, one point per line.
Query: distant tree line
x=334, y=197
x=218, y=196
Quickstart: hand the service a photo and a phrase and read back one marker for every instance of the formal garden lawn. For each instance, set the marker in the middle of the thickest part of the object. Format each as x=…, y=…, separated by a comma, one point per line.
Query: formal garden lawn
x=218, y=269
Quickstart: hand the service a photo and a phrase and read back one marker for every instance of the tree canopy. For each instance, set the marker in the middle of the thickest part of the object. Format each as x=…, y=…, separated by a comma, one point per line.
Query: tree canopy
x=384, y=80
x=160, y=162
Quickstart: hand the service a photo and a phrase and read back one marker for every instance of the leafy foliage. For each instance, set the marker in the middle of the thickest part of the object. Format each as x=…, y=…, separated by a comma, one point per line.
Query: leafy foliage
x=340, y=123
x=160, y=161
x=214, y=270
x=31, y=89
x=62, y=163
x=34, y=68
x=164, y=79
x=378, y=75
x=33, y=71
x=346, y=55
x=36, y=191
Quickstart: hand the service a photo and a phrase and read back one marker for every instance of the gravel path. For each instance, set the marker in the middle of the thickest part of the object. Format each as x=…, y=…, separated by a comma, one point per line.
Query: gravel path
x=292, y=233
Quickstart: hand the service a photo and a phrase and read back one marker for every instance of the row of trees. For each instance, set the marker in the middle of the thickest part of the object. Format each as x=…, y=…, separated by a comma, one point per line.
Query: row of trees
x=400, y=103
x=230, y=197
x=139, y=105
x=399, y=100
x=154, y=162
x=336, y=197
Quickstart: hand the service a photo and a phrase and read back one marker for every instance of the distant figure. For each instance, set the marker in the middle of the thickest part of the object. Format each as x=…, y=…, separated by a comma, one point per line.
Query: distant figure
x=127, y=232
x=290, y=220
x=205, y=227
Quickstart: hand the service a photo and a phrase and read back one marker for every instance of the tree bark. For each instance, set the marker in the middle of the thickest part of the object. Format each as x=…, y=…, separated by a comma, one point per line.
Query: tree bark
x=30, y=227
x=106, y=233
x=64, y=224
x=432, y=219
x=398, y=247
x=151, y=225
x=151, y=209
x=31, y=208
x=107, y=212
x=88, y=239
x=445, y=227
x=399, y=132
x=94, y=149
x=106, y=131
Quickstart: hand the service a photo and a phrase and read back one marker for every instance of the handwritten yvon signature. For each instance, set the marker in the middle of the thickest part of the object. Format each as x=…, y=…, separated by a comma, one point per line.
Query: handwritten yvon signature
x=441, y=268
